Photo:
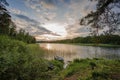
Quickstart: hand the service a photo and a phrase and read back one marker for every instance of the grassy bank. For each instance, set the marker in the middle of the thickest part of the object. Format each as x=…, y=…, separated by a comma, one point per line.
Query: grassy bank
x=92, y=69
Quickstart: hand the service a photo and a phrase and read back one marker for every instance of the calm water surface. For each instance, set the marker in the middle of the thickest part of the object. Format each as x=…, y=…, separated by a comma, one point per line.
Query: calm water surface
x=70, y=52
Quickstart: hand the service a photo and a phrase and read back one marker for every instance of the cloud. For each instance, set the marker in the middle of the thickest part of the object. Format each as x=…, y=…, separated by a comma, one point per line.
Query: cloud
x=47, y=5
x=49, y=16
x=17, y=11
x=26, y=18
x=43, y=9
x=44, y=12
x=31, y=26
x=39, y=5
x=75, y=30
x=83, y=7
x=67, y=1
x=78, y=9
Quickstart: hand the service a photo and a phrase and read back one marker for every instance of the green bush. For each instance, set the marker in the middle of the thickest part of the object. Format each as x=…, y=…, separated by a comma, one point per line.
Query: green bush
x=20, y=61
x=58, y=65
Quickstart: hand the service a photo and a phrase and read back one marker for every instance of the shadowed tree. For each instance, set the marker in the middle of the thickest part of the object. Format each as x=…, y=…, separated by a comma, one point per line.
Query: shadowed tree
x=7, y=27
x=107, y=13
x=5, y=18
x=12, y=29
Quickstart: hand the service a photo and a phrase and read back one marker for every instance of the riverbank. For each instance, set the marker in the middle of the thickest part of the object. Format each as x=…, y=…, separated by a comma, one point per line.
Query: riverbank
x=92, y=69
x=22, y=61
x=98, y=45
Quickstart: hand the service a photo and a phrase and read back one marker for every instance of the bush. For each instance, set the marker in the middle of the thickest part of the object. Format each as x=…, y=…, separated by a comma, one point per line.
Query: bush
x=20, y=61
x=58, y=65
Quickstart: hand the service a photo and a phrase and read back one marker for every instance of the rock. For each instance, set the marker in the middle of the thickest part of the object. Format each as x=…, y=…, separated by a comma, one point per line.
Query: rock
x=58, y=58
x=50, y=66
x=66, y=64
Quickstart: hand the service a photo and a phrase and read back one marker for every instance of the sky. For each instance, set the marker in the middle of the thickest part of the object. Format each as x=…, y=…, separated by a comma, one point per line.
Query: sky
x=51, y=19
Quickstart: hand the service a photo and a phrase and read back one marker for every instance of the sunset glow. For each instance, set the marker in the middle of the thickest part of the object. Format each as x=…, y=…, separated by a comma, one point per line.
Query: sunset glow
x=48, y=46
x=56, y=28
x=50, y=19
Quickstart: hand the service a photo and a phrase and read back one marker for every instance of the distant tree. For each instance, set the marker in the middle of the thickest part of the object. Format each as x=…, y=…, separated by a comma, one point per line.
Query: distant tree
x=12, y=29
x=107, y=13
x=24, y=36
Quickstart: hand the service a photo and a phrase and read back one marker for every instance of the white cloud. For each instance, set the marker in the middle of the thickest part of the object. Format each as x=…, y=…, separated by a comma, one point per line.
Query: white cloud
x=39, y=5
x=49, y=15
x=47, y=6
x=83, y=7
x=75, y=30
x=17, y=11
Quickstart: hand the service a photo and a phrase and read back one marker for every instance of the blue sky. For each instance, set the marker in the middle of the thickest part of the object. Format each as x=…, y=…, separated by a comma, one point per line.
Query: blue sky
x=50, y=19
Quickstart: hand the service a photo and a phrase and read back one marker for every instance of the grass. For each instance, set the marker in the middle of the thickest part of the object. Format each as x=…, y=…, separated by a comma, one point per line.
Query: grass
x=35, y=50
x=92, y=69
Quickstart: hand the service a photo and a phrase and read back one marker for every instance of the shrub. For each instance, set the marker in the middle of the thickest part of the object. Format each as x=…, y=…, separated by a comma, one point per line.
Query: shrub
x=20, y=61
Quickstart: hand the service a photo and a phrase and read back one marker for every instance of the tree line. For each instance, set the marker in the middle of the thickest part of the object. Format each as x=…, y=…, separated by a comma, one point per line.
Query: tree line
x=101, y=39
x=8, y=27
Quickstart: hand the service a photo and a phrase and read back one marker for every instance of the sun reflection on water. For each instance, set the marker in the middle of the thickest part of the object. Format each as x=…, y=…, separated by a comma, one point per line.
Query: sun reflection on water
x=48, y=46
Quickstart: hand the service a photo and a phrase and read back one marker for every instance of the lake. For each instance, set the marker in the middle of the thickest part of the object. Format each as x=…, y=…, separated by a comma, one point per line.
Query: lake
x=70, y=52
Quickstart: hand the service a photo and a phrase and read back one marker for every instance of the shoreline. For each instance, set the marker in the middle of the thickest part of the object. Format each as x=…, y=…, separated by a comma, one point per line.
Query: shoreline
x=90, y=44
x=99, y=45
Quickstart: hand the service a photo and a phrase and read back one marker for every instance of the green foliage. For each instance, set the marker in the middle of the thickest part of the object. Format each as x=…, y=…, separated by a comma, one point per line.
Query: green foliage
x=77, y=60
x=23, y=36
x=58, y=66
x=81, y=69
x=99, y=75
x=20, y=61
x=93, y=65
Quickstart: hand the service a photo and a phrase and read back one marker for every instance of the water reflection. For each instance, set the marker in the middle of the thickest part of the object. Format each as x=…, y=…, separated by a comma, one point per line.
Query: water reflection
x=70, y=52
x=48, y=46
